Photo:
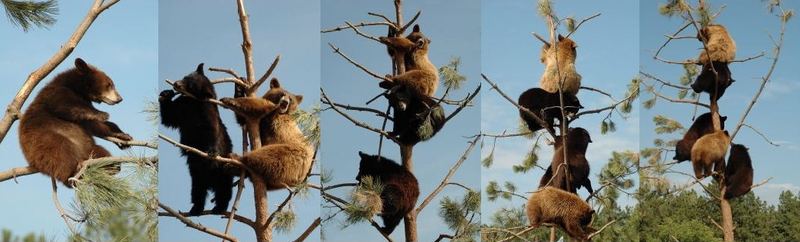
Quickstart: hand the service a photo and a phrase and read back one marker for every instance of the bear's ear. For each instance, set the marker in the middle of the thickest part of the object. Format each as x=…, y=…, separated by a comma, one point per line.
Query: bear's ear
x=362, y=155
x=726, y=133
x=274, y=83
x=560, y=37
x=82, y=66
x=200, y=69
x=416, y=28
x=723, y=118
x=298, y=99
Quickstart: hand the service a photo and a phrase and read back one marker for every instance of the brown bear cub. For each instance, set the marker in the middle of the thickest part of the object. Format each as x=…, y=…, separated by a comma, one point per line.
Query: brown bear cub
x=56, y=130
x=547, y=106
x=285, y=158
x=559, y=64
x=721, y=47
x=200, y=127
x=400, y=188
x=721, y=51
x=709, y=152
x=417, y=116
x=421, y=77
x=564, y=209
x=702, y=125
x=578, y=140
x=738, y=172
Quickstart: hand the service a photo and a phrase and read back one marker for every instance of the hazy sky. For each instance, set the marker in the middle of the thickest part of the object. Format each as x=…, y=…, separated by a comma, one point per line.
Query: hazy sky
x=124, y=49
x=191, y=32
x=607, y=60
x=749, y=23
x=453, y=29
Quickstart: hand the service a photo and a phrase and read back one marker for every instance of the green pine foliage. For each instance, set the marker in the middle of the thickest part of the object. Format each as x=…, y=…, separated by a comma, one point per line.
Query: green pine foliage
x=27, y=14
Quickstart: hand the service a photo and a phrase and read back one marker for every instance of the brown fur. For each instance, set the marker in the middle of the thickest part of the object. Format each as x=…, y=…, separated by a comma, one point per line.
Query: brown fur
x=285, y=157
x=56, y=130
x=421, y=76
x=564, y=209
x=709, y=151
x=721, y=46
x=738, y=172
x=702, y=125
x=560, y=68
x=578, y=140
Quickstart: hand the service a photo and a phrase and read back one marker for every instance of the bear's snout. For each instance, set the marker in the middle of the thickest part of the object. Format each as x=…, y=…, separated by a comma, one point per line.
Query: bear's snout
x=111, y=97
x=284, y=104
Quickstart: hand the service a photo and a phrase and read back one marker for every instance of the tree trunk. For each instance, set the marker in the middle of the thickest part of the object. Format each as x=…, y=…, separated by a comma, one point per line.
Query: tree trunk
x=727, y=217
x=410, y=220
x=552, y=234
x=411, y=227
x=262, y=229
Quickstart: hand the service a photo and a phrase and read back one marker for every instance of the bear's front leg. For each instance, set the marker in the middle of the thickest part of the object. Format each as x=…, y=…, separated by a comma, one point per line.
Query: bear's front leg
x=107, y=129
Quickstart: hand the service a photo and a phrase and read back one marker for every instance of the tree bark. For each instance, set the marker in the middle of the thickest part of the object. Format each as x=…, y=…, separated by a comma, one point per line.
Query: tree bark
x=263, y=230
x=727, y=217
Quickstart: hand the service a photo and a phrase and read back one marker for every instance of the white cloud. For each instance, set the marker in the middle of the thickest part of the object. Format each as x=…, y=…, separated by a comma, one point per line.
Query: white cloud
x=771, y=191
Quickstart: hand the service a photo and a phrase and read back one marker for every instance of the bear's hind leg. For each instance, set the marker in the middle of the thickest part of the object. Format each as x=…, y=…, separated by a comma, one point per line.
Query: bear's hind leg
x=223, y=189
x=200, y=185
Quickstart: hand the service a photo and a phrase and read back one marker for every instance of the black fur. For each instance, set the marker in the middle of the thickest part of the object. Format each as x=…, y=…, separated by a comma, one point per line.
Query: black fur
x=420, y=121
x=400, y=191
x=200, y=127
x=547, y=106
x=738, y=172
x=706, y=81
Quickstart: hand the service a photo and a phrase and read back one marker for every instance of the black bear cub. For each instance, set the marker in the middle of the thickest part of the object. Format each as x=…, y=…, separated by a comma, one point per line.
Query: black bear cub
x=707, y=81
x=578, y=140
x=400, y=190
x=547, y=106
x=200, y=127
x=738, y=172
x=702, y=125
x=56, y=130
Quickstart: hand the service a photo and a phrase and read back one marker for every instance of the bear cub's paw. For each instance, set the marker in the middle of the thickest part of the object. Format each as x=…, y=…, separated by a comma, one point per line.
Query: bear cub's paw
x=166, y=95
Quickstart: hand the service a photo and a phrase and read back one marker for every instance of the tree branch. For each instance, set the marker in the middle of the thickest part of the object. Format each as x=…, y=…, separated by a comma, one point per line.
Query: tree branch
x=447, y=177
x=197, y=226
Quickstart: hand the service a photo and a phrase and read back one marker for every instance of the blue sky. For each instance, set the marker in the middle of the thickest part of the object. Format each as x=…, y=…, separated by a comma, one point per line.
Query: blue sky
x=749, y=23
x=191, y=32
x=453, y=28
x=124, y=49
x=607, y=60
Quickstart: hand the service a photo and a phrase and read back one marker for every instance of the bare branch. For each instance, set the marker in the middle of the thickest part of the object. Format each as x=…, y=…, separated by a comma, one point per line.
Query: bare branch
x=197, y=226
x=602, y=228
x=238, y=218
x=308, y=230
x=362, y=24
x=338, y=51
x=581, y=23
x=226, y=70
x=201, y=153
x=447, y=177
x=61, y=210
x=355, y=29
x=356, y=122
x=266, y=75
x=463, y=103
